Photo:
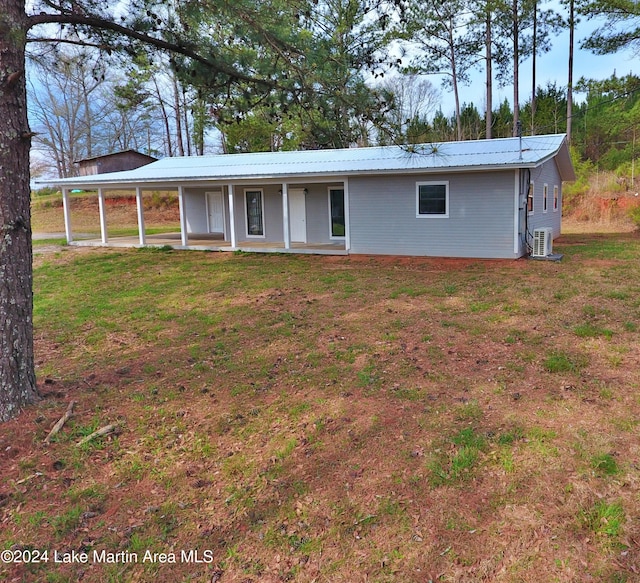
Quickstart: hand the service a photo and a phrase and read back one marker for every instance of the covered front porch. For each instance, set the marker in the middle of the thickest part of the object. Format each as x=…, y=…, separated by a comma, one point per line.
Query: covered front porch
x=261, y=217
x=210, y=242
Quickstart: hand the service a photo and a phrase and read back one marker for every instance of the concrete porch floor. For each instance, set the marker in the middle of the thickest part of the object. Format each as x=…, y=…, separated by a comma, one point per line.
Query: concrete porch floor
x=213, y=242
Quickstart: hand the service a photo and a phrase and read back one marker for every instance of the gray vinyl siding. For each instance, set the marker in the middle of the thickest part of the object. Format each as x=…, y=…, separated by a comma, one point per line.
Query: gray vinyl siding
x=196, y=207
x=546, y=174
x=317, y=214
x=480, y=223
x=273, y=223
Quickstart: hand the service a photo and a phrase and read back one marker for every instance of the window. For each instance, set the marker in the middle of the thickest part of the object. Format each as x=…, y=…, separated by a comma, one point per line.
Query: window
x=336, y=213
x=545, y=195
x=255, y=219
x=432, y=199
x=555, y=198
x=530, y=198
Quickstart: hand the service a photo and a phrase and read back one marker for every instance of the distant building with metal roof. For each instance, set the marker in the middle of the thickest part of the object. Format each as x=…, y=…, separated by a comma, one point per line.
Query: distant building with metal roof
x=113, y=162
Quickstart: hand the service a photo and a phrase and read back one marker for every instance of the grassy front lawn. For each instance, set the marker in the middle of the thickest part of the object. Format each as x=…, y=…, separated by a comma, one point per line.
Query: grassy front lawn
x=311, y=418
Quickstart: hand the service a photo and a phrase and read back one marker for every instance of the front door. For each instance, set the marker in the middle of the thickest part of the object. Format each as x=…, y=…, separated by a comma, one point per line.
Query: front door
x=216, y=211
x=298, y=216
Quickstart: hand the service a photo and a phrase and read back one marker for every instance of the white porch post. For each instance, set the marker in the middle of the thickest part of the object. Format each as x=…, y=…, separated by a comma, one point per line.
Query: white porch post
x=141, y=231
x=232, y=217
x=516, y=214
x=66, y=208
x=103, y=217
x=285, y=216
x=347, y=217
x=183, y=217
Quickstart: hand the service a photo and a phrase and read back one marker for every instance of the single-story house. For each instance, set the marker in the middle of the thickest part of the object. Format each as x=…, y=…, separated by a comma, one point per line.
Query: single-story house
x=482, y=199
x=113, y=162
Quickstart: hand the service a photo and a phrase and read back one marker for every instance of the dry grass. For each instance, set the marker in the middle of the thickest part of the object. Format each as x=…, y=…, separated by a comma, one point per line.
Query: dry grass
x=334, y=419
x=573, y=226
x=601, y=206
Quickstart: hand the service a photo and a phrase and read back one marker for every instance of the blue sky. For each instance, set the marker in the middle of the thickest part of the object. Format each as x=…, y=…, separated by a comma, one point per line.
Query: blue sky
x=552, y=67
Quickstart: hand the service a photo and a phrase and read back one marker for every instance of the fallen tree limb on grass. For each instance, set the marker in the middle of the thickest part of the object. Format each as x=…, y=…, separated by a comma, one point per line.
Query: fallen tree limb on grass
x=36, y=475
x=60, y=424
x=106, y=430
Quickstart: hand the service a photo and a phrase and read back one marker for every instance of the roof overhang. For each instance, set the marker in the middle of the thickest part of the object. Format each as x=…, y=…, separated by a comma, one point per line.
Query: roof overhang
x=164, y=184
x=176, y=172
x=565, y=165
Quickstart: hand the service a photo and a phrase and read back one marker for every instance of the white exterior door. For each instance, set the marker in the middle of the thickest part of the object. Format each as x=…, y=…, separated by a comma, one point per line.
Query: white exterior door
x=298, y=216
x=215, y=207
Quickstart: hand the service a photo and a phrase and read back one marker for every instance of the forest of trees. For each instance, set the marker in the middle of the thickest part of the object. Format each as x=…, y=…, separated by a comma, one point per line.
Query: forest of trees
x=369, y=67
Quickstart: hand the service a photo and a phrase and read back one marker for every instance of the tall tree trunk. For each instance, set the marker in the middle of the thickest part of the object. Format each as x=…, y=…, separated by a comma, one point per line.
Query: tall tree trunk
x=454, y=78
x=176, y=103
x=165, y=119
x=457, y=106
x=572, y=24
x=185, y=113
x=198, y=124
x=17, y=371
x=533, y=72
x=489, y=58
x=516, y=73
x=88, y=122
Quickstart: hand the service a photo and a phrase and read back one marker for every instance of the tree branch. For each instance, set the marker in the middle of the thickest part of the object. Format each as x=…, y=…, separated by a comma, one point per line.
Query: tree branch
x=66, y=41
x=60, y=424
x=174, y=47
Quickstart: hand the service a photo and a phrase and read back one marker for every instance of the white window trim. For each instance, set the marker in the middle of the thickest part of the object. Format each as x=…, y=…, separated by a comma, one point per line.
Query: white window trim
x=444, y=183
x=532, y=188
x=545, y=198
x=556, y=198
x=333, y=237
x=246, y=216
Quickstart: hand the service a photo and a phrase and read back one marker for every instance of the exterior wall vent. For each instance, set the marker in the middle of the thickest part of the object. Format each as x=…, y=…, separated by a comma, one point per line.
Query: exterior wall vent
x=542, y=242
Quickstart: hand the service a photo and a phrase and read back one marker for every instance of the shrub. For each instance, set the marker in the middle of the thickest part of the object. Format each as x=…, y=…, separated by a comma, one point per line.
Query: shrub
x=46, y=191
x=573, y=191
x=614, y=158
x=634, y=213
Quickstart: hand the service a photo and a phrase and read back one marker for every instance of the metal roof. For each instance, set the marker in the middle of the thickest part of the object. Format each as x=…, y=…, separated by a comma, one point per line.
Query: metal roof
x=120, y=153
x=474, y=155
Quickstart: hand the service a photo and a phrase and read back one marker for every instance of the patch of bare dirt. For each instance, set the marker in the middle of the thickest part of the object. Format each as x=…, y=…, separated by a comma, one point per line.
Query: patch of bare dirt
x=438, y=264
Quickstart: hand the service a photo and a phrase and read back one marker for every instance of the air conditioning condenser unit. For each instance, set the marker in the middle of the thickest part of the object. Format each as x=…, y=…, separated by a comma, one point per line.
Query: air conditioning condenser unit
x=542, y=242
